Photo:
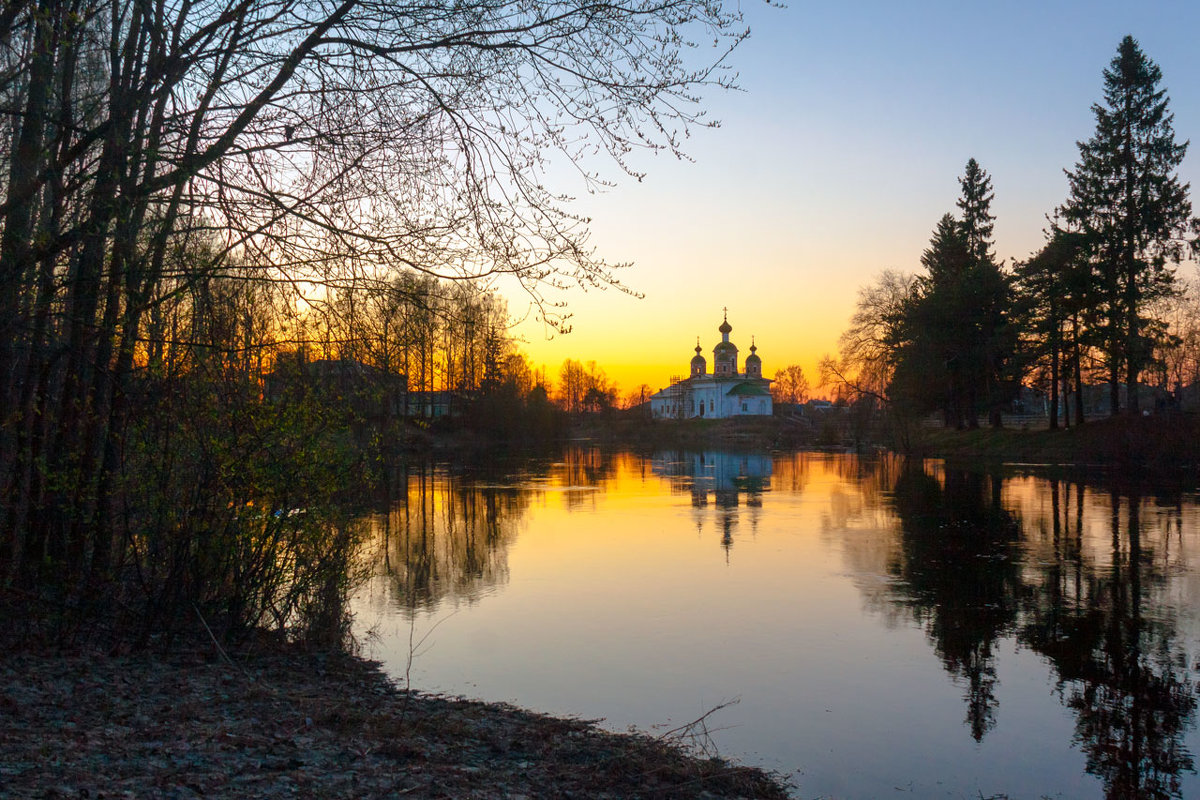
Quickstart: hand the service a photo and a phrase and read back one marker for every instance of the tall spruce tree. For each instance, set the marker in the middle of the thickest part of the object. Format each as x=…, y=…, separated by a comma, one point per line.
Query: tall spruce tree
x=1125, y=195
x=989, y=293
x=935, y=348
x=975, y=205
x=956, y=343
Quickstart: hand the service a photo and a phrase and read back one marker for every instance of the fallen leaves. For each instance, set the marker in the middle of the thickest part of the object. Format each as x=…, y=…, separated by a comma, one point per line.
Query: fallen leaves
x=291, y=724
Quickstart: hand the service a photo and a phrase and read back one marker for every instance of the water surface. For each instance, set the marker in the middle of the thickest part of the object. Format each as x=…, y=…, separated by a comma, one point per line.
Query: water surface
x=885, y=628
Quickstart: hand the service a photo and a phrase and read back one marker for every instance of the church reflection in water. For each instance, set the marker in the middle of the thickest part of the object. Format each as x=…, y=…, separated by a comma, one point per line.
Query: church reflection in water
x=727, y=477
x=1098, y=582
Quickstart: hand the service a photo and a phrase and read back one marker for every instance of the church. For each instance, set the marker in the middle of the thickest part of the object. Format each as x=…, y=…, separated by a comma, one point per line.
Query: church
x=723, y=393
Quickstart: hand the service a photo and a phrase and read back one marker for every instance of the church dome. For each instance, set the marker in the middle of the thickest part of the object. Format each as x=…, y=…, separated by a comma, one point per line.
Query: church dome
x=753, y=362
x=725, y=353
x=699, y=365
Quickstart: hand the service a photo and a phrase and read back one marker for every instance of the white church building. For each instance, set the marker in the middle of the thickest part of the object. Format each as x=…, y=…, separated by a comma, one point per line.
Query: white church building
x=723, y=393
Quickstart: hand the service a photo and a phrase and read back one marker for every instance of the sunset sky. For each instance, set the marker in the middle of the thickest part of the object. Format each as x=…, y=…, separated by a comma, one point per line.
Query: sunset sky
x=836, y=161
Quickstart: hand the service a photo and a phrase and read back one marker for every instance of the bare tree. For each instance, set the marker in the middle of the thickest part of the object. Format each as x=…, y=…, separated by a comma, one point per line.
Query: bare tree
x=866, y=349
x=295, y=143
x=790, y=385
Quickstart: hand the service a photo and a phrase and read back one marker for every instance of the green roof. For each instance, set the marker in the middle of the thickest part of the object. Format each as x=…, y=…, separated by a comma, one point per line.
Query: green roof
x=749, y=390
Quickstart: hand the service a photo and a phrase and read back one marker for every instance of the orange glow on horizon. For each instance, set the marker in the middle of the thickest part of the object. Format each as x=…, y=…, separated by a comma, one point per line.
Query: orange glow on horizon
x=650, y=344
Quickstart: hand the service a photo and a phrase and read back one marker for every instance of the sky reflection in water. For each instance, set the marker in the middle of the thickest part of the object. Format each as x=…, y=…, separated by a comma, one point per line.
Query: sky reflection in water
x=883, y=626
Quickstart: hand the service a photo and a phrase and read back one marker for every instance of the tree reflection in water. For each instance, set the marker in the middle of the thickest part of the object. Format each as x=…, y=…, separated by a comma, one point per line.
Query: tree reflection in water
x=1115, y=652
x=1087, y=580
x=958, y=572
x=445, y=537
x=445, y=533
x=1099, y=618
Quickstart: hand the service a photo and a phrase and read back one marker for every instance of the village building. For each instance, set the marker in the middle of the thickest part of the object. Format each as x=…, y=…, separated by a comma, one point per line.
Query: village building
x=721, y=394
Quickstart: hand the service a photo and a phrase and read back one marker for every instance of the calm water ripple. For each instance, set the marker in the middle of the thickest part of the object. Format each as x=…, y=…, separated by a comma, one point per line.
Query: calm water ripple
x=883, y=626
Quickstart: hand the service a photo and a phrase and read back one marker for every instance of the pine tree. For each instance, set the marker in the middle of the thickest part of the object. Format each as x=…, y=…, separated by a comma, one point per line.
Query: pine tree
x=989, y=294
x=1049, y=288
x=956, y=341
x=1125, y=195
x=948, y=257
x=936, y=365
x=975, y=205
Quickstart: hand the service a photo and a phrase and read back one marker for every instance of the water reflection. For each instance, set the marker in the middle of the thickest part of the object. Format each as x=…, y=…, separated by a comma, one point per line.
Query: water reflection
x=1092, y=589
x=446, y=537
x=958, y=573
x=445, y=529
x=725, y=476
x=973, y=572
x=580, y=471
x=1114, y=645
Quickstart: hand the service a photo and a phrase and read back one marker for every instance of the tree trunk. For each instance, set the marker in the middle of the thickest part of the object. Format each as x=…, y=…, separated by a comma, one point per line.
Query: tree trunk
x=1053, y=385
x=1114, y=388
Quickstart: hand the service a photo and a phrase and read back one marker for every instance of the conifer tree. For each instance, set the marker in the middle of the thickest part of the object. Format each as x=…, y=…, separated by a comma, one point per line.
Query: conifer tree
x=1051, y=286
x=957, y=342
x=1125, y=195
x=989, y=294
x=933, y=337
x=948, y=257
x=975, y=205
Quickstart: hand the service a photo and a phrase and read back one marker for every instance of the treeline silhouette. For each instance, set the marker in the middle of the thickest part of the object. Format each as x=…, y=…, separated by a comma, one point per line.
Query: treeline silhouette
x=220, y=223
x=1099, y=303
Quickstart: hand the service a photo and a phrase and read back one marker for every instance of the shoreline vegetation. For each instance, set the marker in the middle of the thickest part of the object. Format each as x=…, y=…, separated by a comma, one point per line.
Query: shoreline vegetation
x=1157, y=442
x=293, y=719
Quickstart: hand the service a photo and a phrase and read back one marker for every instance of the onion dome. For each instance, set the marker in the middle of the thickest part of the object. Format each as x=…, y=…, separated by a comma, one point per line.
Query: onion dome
x=725, y=353
x=753, y=362
x=699, y=365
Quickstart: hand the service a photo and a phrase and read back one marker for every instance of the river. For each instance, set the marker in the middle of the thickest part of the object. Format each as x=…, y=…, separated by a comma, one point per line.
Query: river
x=868, y=626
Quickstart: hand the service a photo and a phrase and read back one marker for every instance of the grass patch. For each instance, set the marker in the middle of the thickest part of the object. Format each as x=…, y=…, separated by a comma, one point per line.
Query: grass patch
x=1163, y=441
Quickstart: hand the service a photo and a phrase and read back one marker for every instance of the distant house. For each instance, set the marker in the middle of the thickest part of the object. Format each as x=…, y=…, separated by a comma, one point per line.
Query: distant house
x=1187, y=398
x=1097, y=400
x=721, y=394
x=433, y=405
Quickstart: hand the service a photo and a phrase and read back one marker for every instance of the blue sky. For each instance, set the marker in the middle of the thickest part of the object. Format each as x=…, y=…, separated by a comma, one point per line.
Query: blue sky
x=837, y=158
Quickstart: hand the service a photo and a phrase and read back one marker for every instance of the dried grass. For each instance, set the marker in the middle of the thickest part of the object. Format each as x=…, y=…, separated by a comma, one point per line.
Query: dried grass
x=288, y=723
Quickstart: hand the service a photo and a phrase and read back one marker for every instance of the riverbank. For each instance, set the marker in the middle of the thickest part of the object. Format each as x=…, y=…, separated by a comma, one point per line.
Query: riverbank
x=1161, y=442
x=288, y=723
x=737, y=433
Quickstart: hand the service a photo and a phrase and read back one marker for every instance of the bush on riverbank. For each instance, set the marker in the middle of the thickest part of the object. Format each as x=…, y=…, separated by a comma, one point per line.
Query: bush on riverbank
x=225, y=510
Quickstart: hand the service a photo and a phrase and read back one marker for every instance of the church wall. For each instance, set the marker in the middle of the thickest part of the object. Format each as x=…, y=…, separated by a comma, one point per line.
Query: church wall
x=706, y=395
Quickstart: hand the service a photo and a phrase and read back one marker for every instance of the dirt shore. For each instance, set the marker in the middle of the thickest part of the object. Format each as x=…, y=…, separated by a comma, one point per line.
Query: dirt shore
x=293, y=724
